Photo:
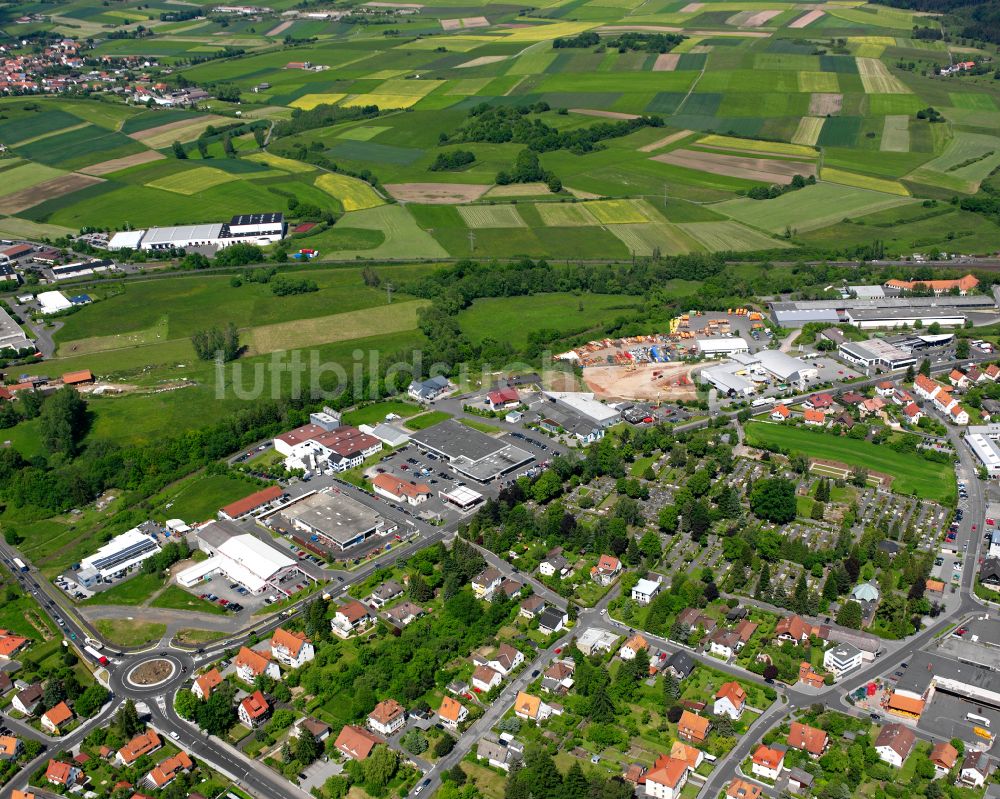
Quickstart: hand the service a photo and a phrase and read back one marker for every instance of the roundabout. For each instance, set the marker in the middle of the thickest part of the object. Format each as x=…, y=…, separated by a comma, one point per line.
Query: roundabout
x=151, y=673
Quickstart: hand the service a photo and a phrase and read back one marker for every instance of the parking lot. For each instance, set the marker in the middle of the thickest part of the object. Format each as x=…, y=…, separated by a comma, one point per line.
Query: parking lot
x=947, y=716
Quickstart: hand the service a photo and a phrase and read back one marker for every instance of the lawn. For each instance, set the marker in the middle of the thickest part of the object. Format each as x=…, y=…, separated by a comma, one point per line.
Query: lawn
x=913, y=475
x=177, y=598
x=133, y=591
x=425, y=420
x=198, y=498
x=128, y=632
x=376, y=412
x=482, y=427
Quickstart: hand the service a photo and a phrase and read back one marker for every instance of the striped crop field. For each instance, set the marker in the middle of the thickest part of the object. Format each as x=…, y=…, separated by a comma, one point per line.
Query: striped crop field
x=877, y=79
x=807, y=133
x=846, y=178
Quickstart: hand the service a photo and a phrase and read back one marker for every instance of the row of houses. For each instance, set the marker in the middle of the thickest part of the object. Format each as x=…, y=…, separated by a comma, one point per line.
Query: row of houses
x=941, y=396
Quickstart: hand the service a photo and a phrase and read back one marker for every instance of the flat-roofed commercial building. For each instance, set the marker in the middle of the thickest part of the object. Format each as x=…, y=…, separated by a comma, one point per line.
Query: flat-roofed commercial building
x=470, y=453
x=876, y=352
x=243, y=558
x=120, y=555
x=335, y=518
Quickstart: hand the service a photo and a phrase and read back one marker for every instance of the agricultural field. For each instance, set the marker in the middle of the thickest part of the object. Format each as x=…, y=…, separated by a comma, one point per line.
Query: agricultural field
x=752, y=95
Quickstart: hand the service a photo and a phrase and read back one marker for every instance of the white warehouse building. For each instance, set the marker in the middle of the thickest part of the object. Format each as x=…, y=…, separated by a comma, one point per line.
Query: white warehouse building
x=718, y=347
x=982, y=440
x=247, y=560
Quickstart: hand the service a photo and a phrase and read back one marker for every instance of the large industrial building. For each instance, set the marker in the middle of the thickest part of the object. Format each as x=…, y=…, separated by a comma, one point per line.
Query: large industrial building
x=876, y=352
x=472, y=454
x=982, y=440
x=242, y=228
x=720, y=347
x=11, y=335
x=742, y=375
x=873, y=312
x=120, y=555
x=242, y=557
x=333, y=518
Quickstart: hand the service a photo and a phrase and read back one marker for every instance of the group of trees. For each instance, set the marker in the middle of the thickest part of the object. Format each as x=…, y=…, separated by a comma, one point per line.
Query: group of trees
x=528, y=169
x=501, y=124
x=452, y=160
x=286, y=286
x=774, y=190
x=215, y=342
x=643, y=42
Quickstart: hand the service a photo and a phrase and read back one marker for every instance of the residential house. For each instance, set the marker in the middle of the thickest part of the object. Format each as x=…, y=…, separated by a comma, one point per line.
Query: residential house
x=56, y=717
x=644, y=590
x=797, y=630
x=205, y=683
x=502, y=399
x=912, y=413
x=486, y=582
x=532, y=607
x=724, y=643
x=351, y=617
x=692, y=727
x=250, y=664
x=885, y=389
x=291, y=648
x=894, y=744
x=510, y=587
x=552, y=620
x=502, y=753
x=680, y=665
x=253, y=710
x=851, y=398
x=992, y=372
x=452, y=713
x=319, y=730
x=554, y=566
x=385, y=593
x=871, y=407
x=399, y=490
x=768, y=762
x=388, y=718
x=690, y=755
x=10, y=644
x=608, y=567
x=356, y=743
x=989, y=574
x=809, y=739
x=10, y=747
x=635, y=774
x=527, y=706
x=484, y=679
x=558, y=678
x=730, y=700
x=841, y=659
x=808, y=676
x=745, y=630
x=404, y=613
x=944, y=756
x=666, y=779
x=741, y=789
x=813, y=417
x=632, y=647
x=165, y=773
x=902, y=397
x=958, y=415
x=780, y=413
x=692, y=619
x=26, y=700
x=141, y=745
x=959, y=379
x=926, y=388
x=819, y=402
x=430, y=389
x=506, y=659
x=62, y=774
x=975, y=770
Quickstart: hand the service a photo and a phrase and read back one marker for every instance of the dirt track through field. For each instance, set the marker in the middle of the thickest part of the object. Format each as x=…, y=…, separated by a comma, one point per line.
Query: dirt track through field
x=768, y=170
x=659, y=144
x=666, y=62
x=822, y=104
x=47, y=190
x=807, y=19
x=107, y=167
x=436, y=193
x=594, y=112
x=277, y=30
